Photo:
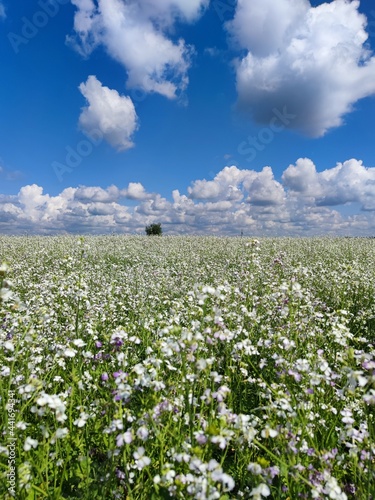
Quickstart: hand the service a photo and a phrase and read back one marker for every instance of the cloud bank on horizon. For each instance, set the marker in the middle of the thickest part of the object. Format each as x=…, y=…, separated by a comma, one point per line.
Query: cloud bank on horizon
x=304, y=203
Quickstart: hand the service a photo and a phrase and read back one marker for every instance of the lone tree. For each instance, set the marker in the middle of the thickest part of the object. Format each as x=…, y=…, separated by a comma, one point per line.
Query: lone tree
x=154, y=229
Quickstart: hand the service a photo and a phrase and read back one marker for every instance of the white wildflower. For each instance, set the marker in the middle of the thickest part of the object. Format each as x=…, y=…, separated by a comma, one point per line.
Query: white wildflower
x=142, y=433
x=70, y=353
x=5, y=371
x=141, y=460
x=9, y=346
x=79, y=342
x=60, y=433
x=21, y=425
x=260, y=491
x=124, y=438
x=254, y=468
x=333, y=490
x=30, y=443
x=81, y=421
x=268, y=432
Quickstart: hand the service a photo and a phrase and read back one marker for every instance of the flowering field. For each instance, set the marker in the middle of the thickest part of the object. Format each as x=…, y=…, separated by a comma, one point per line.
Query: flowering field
x=185, y=367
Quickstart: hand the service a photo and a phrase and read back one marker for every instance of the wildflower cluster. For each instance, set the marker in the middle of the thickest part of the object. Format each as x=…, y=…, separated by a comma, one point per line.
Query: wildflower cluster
x=186, y=367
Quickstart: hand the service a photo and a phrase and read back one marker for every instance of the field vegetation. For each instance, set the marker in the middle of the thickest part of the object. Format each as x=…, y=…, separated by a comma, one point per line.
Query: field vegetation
x=188, y=367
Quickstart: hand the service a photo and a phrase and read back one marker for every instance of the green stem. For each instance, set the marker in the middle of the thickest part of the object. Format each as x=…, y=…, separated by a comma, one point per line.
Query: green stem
x=264, y=448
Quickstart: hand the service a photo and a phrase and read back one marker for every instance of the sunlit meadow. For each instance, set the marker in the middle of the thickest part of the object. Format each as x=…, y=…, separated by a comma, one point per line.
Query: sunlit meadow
x=188, y=367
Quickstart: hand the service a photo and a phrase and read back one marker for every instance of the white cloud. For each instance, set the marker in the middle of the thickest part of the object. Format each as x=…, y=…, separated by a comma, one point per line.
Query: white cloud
x=313, y=61
x=303, y=178
x=265, y=191
x=97, y=194
x=304, y=202
x=348, y=182
x=212, y=51
x=188, y=10
x=33, y=201
x=232, y=184
x=135, y=33
x=262, y=26
x=226, y=184
x=109, y=113
x=135, y=191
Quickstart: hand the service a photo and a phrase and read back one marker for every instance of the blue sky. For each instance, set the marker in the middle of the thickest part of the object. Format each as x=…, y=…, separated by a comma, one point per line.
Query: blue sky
x=210, y=116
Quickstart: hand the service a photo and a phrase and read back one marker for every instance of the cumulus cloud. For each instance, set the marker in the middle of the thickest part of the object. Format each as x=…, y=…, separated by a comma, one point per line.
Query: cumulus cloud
x=135, y=33
x=108, y=113
x=226, y=184
x=168, y=10
x=348, y=182
x=303, y=202
x=135, y=191
x=97, y=194
x=312, y=60
x=232, y=184
x=265, y=191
